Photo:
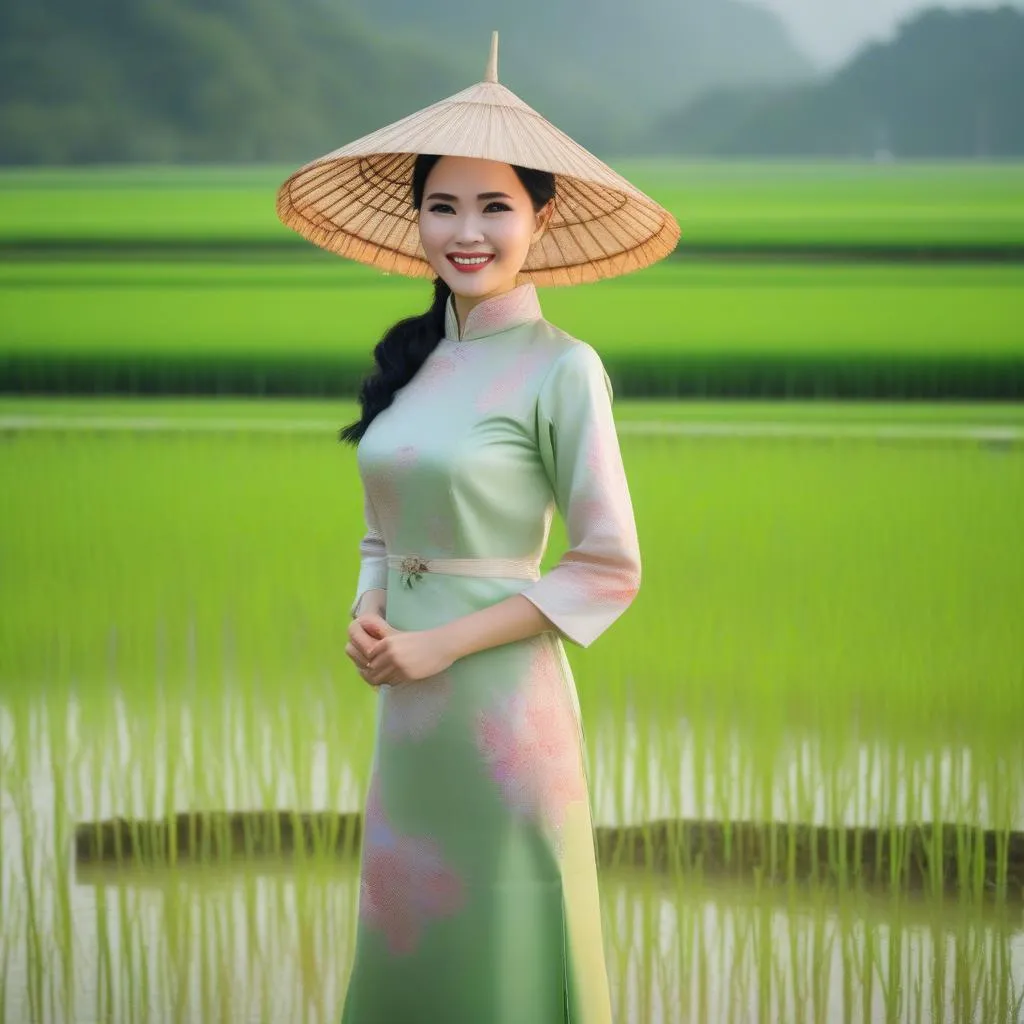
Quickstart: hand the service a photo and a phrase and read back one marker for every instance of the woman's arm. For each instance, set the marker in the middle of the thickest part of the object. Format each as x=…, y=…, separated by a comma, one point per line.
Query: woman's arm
x=373, y=563
x=387, y=655
x=598, y=577
x=594, y=581
x=371, y=601
x=513, y=619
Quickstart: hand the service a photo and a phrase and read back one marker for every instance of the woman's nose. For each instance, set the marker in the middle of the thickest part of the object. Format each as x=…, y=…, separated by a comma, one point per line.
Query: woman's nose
x=469, y=230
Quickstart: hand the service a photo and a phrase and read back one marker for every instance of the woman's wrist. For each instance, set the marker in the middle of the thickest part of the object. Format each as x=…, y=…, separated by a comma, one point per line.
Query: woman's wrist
x=449, y=637
x=372, y=601
x=514, y=618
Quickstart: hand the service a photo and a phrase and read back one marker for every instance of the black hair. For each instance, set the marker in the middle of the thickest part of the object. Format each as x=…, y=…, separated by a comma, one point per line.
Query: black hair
x=406, y=344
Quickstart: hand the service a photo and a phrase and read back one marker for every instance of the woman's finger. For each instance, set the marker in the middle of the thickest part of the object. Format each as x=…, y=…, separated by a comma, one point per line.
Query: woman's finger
x=361, y=640
x=361, y=663
x=359, y=651
x=363, y=649
x=382, y=671
x=358, y=658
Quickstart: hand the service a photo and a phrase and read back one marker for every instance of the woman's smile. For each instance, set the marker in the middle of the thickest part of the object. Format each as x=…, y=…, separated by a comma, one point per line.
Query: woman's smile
x=469, y=262
x=477, y=222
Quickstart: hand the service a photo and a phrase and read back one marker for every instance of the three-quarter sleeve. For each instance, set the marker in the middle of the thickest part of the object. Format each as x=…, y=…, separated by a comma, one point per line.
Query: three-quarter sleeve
x=373, y=557
x=598, y=577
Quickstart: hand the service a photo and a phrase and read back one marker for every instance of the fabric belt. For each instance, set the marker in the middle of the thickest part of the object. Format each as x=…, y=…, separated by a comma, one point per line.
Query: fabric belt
x=412, y=567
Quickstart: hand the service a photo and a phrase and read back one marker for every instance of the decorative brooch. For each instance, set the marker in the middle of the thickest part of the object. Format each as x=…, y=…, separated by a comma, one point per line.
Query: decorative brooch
x=412, y=568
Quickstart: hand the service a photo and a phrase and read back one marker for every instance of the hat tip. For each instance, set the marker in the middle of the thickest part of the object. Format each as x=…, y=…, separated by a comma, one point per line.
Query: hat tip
x=491, y=74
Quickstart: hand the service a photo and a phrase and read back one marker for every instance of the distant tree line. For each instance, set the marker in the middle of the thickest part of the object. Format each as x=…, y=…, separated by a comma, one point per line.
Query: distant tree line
x=951, y=84
x=85, y=81
x=204, y=81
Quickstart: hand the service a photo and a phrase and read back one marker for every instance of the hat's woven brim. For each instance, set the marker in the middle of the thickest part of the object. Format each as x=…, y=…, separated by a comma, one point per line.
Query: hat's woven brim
x=357, y=200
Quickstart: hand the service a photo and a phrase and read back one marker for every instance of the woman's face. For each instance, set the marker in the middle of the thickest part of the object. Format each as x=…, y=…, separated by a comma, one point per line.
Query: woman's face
x=477, y=224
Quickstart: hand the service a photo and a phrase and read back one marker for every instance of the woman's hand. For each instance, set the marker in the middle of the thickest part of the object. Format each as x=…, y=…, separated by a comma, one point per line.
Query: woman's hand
x=383, y=654
x=364, y=632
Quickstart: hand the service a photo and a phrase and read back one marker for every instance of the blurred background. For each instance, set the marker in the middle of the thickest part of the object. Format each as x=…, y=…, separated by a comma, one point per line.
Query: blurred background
x=804, y=738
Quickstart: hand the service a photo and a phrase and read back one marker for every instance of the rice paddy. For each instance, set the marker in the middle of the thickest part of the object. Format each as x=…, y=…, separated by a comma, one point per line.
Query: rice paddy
x=804, y=737
x=189, y=311
x=890, y=205
x=827, y=635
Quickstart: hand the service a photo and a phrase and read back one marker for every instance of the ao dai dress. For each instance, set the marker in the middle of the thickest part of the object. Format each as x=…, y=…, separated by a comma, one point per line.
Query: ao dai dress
x=478, y=895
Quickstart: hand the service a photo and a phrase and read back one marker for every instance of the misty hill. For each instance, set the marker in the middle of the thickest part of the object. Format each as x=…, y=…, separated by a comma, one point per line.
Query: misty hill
x=604, y=69
x=233, y=80
x=197, y=80
x=950, y=84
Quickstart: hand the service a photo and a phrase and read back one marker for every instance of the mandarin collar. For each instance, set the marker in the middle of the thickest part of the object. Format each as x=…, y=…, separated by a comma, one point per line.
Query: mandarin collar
x=492, y=316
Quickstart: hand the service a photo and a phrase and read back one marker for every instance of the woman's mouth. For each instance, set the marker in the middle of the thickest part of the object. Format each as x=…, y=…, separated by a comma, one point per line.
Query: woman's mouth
x=469, y=262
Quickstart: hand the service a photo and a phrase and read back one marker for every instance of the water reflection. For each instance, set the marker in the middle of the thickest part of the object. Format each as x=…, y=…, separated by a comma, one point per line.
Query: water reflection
x=266, y=941
x=273, y=941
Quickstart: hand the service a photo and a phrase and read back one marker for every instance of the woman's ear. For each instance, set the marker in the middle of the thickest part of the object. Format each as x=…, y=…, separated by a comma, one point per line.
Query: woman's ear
x=544, y=215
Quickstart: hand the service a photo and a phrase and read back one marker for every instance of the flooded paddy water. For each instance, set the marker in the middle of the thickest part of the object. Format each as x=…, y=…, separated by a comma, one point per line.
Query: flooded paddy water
x=827, y=638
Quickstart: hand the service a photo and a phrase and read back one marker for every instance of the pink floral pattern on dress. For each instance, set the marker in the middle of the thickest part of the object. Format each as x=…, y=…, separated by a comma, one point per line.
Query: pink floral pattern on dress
x=384, y=485
x=530, y=742
x=604, y=461
x=597, y=578
x=436, y=369
x=412, y=710
x=510, y=380
x=405, y=456
x=503, y=312
x=441, y=531
x=404, y=882
x=614, y=583
x=604, y=510
x=591, y=516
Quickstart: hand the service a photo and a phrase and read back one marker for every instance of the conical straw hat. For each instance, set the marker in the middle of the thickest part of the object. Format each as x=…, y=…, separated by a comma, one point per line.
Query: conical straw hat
x=357, y=200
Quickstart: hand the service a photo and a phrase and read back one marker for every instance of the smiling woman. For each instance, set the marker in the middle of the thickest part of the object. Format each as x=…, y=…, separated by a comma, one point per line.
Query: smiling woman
x=476, y=227
x=480, y=219
x=479, y=891
x=491, y=865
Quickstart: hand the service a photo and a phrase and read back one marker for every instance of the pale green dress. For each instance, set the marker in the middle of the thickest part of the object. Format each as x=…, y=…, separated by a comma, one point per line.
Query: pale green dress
x=478, y=897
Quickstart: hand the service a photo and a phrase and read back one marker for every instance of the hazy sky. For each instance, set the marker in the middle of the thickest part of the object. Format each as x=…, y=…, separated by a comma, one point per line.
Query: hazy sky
x=829, y=31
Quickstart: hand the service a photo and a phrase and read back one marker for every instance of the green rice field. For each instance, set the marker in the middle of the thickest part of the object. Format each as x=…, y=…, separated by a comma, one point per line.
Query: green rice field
x=716, y=204
x=926, y=331
x=174, y=281
x=337, y=310
x=804, y=737
x=827, y=634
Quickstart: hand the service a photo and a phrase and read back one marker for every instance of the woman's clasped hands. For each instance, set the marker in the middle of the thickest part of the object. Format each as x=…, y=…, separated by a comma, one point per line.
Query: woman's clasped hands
x=385, y=655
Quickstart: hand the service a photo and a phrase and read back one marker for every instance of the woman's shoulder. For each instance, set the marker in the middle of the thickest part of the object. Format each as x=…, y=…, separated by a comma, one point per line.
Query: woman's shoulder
x=560, y=346
x=569, y=362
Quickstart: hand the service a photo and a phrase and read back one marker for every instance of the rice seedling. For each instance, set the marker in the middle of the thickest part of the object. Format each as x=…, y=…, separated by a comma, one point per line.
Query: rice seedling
x=822, y=669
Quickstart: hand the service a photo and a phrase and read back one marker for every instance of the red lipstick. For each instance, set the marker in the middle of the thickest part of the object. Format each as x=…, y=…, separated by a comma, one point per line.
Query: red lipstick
x=480, y=260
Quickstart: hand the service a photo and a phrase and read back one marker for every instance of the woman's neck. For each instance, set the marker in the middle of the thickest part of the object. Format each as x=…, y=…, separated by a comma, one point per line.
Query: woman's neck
x=465, y=304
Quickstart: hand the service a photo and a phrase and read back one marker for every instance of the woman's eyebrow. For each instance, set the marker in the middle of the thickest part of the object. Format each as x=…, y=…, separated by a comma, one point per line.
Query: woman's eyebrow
x=483, y=195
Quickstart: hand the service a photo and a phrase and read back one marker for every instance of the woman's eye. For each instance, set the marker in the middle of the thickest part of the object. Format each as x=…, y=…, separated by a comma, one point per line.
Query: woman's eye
x=495, y=206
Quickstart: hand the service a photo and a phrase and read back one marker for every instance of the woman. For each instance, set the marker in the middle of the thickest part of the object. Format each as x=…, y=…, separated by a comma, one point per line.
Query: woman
x=479, y=891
